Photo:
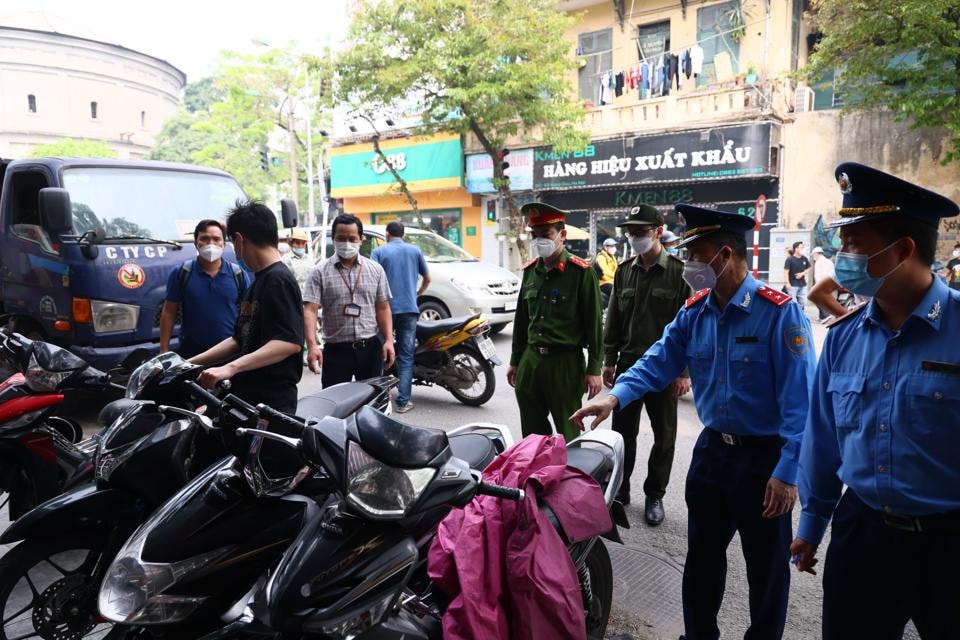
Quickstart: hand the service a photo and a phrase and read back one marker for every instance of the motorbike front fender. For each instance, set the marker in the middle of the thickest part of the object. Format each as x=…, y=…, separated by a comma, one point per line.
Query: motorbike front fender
x=85, y=505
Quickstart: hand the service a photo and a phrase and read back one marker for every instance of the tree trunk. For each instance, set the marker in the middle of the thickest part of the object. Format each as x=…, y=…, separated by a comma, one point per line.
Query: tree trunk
x=502, y=185
x=401, y=183
x=294, y=178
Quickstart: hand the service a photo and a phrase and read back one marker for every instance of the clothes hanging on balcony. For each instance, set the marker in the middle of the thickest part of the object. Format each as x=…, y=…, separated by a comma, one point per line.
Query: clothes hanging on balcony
x=685, y=64
x=618, y=85
x=603, y=95
x=696, y=60
x=673, y=68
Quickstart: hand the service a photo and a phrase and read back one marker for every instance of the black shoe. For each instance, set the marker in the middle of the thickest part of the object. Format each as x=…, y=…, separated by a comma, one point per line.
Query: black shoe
x=653, y=512
x=623, y=497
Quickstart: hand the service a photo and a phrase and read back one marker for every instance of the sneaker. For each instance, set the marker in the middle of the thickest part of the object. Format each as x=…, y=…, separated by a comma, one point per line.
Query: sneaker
x=403, y=408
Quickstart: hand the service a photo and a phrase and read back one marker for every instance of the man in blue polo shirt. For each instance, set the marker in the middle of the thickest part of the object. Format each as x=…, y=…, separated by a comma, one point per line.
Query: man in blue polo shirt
x=208, y=289
x=403, y=263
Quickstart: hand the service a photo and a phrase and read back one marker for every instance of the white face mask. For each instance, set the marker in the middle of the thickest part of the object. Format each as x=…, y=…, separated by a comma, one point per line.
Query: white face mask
x=347, y=250
x=543, y=247
x=641, y=245
x=700, y=275
x=210, y=252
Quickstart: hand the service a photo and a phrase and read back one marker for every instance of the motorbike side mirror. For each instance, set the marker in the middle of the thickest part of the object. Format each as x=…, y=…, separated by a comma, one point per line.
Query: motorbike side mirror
x=288, y=213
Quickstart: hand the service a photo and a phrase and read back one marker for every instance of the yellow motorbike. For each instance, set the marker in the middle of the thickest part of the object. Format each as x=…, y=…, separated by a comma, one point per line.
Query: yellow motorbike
x=458, y=355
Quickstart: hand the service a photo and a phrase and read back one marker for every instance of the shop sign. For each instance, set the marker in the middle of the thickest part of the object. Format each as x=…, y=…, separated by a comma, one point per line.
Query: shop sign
x=480, y=171
x=709, y=154
x=424, y=163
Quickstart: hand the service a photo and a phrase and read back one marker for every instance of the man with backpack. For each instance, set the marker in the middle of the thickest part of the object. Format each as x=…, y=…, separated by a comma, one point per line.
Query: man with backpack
x=208, y=290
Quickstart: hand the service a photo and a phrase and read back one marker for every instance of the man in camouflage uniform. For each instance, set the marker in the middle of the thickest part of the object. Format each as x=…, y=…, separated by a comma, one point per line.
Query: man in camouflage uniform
x=558, y=315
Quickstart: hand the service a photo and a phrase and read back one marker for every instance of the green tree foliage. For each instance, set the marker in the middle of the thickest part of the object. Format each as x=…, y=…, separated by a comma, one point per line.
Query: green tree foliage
x=229, y=118
x=900, y=54
x=496, y=69
x=73, y=148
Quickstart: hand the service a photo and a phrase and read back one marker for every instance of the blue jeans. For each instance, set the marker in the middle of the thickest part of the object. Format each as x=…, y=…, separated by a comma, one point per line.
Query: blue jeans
x=405, y=334
x=800, y=295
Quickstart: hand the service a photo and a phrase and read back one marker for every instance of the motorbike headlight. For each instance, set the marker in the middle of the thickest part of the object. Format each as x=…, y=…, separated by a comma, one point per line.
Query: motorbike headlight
x=109, y=317
x=380, y=491
x=141, y=376
x=132, y=591
x=472, y=287
x=42, y=380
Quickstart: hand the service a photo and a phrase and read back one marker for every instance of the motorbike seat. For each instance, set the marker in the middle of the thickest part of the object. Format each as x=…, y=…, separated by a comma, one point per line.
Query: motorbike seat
x=338, y=401
x=398, y=444
x=592, y=462
x=426, y=329
x=474, y=449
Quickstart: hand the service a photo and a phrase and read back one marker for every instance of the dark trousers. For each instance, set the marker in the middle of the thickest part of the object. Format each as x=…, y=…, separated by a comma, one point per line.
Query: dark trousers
x=725, y=491
x=875, y=578
x=662, y=411
x=605, y=292
x=343, y=363
x=550, y=386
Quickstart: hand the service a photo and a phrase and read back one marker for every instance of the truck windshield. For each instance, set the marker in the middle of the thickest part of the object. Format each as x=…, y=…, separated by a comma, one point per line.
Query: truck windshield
x=149, y=203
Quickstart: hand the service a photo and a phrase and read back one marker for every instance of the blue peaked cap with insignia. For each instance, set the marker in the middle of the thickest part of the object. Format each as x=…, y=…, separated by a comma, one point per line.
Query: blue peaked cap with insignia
x=702, y=222
x=870, y=194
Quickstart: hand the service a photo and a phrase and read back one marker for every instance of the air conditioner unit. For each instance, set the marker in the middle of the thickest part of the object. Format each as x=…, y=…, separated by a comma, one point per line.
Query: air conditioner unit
x=803, y=99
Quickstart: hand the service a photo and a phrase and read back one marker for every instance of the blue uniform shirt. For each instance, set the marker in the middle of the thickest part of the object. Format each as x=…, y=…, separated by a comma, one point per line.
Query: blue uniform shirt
x=751, y=366
x=403, y=262
x=885, y=415
x=209, y=305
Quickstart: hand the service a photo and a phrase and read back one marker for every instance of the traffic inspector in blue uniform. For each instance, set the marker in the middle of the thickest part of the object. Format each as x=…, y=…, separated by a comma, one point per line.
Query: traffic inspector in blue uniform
x=751, y=363
x=885, y=421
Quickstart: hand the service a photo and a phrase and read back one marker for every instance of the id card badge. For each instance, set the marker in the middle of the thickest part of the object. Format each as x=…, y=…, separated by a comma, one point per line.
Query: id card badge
x=351, y=310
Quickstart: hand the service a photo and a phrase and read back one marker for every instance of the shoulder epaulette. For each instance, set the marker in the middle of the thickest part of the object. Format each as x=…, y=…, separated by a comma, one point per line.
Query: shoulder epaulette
x=849, y=314
x=530, y=264
x=692, y=300
x=776, y=297
x=580, y=262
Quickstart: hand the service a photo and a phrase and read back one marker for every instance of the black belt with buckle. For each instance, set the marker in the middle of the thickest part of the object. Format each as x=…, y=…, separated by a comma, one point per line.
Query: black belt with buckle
x=356, y=345
x=735, y=440
x=934, y=523
x=546, y=350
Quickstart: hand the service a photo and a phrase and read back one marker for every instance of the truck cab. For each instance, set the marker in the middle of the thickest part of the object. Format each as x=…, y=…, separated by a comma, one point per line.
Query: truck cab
x=87, y=245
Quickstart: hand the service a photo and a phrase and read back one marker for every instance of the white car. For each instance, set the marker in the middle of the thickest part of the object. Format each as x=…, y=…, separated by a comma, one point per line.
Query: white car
x=460, y=284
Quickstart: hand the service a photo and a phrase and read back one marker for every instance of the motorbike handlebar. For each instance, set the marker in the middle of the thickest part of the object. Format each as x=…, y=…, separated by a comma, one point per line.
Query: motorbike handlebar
x=269, y=413
x=205, y=395
x=497, y=491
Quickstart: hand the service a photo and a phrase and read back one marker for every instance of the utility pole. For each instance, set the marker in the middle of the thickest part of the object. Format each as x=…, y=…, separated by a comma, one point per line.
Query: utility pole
x=292, y=134
x=311, y=210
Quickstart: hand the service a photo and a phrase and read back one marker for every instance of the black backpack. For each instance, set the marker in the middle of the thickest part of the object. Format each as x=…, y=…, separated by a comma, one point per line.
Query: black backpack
x=187, y=268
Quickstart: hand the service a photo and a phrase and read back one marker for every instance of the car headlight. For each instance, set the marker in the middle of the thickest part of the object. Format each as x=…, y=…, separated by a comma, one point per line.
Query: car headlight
x=141, y=376
x=472, y=287
x=132, y=591
x=380, y=491
x=42, y=380
x=109, y=317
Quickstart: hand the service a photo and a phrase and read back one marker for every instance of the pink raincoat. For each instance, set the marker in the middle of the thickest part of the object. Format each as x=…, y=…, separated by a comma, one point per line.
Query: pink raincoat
x=505, y=568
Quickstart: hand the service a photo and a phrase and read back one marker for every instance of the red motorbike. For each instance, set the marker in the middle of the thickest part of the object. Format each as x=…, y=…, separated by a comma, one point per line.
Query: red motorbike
x=42, y=454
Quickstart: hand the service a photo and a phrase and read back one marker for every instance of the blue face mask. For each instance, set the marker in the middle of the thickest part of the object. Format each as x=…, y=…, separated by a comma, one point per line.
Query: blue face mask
x=243, y=265
x=851, y=272
x=673, y=251
x=299, y=251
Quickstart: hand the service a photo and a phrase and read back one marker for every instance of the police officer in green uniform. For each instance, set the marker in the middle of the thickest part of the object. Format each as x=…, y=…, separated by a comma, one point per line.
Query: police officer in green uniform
x=648, y=290
x=558, y=315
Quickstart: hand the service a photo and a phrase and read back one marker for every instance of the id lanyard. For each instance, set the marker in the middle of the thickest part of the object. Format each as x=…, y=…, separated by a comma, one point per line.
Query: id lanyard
x=351, y=310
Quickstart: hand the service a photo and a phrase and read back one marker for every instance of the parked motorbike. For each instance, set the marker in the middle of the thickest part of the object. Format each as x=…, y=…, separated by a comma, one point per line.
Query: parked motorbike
x=42, y=454
x=354, y=564
x=48, y=582
x=458, y=355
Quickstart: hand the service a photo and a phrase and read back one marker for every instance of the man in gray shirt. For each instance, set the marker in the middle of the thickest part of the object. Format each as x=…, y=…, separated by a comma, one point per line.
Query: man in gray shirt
x=353, y=297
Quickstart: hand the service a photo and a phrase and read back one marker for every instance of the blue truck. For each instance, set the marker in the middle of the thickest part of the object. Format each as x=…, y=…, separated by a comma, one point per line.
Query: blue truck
x=86, y=246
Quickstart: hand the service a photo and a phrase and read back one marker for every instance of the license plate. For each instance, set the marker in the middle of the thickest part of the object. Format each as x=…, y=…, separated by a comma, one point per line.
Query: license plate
x=486, y=347
x=510, y=306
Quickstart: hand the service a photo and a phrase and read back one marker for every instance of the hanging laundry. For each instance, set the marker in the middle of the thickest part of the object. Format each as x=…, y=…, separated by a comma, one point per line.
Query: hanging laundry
x=644, y=81
x=618, y=85
x=687, y=70
x=696, y=60
x=604, y=96
x=673, y=68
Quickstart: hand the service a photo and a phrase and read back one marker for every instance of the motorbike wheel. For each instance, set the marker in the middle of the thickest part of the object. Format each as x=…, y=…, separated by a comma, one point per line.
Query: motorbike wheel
x=599, y=573
x=46, y=591
x=471, y=365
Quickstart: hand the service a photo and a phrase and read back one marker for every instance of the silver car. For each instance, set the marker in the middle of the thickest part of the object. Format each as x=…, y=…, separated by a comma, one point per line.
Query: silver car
x=460, y=284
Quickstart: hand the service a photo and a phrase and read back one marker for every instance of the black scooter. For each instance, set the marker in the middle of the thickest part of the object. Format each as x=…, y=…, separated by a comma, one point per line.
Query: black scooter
x=354, y=566
x=48, y=583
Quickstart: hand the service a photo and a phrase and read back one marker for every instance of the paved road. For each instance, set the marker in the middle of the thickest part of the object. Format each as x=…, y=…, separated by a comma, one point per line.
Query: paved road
x=437, y=408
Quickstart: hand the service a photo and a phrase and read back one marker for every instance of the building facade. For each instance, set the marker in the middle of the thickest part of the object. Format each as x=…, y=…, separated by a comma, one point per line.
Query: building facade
x=55, y=86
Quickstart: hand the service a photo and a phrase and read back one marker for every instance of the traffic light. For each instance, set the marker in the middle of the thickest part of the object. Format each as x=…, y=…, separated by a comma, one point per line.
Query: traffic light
x=264, y=159
x=502, y=158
